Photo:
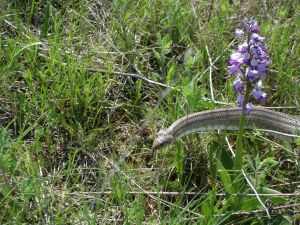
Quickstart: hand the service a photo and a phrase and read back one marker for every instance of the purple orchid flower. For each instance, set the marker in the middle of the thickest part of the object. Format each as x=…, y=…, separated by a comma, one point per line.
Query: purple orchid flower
x=249, y=63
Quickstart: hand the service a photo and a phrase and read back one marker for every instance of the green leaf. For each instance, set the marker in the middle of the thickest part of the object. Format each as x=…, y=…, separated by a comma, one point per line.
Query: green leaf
x=253, y=203
x=226, y=179
x=226, y=159
x=138, y=87
x=5, y=189
x=171, y=72
x=25, y=47
x=46, y=24
x=267, y=163
x=298, y=141
x=158, y=57
x=180, y=162
x=166, y=44
x=8, y=163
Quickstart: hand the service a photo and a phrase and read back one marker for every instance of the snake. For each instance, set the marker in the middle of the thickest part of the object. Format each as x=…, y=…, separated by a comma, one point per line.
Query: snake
x=280, y=125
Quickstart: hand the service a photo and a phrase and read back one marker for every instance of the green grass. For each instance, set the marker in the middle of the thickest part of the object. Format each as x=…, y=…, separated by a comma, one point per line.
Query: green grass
x=71, y=147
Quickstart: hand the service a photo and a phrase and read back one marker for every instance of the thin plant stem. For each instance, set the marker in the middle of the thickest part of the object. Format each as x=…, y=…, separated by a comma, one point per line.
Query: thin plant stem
x=239, y=156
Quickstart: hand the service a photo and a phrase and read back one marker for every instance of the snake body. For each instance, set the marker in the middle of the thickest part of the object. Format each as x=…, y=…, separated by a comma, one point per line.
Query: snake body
x=278, y=124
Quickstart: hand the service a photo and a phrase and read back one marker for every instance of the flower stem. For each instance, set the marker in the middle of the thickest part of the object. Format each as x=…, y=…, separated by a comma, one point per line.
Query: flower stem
x=239, y=156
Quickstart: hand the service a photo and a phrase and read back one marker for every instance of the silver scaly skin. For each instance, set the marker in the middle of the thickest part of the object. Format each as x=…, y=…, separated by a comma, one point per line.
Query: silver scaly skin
x=278, y=124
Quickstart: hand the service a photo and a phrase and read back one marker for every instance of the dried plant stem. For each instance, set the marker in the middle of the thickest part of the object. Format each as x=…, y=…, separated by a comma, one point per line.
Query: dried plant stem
x=256, y=194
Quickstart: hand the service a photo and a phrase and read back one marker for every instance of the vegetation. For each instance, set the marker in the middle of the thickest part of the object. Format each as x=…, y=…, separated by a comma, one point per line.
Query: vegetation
x=85, y=85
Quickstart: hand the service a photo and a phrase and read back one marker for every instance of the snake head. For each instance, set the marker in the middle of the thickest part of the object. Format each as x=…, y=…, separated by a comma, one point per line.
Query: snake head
x=162, y=139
